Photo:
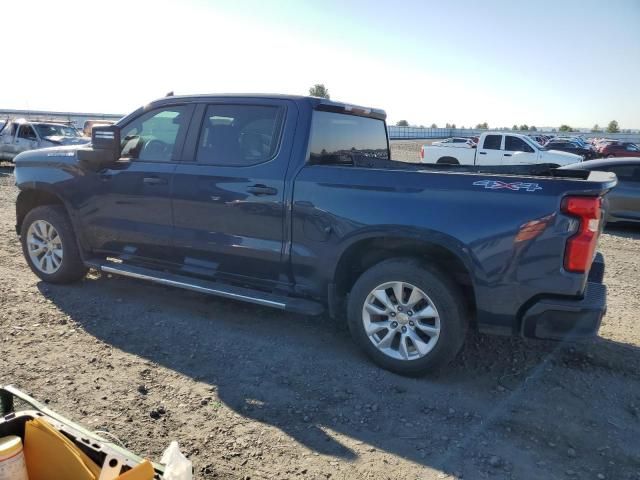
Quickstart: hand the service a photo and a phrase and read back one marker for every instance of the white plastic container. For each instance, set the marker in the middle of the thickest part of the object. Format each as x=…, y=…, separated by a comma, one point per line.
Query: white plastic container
x=12, y=465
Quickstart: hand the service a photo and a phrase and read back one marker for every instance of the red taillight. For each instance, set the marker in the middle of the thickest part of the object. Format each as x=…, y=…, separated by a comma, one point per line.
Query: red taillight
x=582, y=245
x=422, y=152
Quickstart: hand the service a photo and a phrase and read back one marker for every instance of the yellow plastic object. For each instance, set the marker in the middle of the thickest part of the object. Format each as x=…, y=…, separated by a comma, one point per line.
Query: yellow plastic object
x=52, y=456
x=142, y=471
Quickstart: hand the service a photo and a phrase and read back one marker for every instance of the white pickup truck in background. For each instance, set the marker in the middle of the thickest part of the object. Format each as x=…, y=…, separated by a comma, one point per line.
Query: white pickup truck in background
x=495, y=148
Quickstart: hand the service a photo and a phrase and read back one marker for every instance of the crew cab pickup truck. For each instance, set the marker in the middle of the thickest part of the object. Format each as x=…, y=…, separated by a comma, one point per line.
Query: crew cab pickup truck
x=495, y=148
x=293, y=203
x=22, y=135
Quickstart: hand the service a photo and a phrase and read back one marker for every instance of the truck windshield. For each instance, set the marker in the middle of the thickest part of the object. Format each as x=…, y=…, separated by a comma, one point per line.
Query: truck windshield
x=48, y=130
x=337, y=138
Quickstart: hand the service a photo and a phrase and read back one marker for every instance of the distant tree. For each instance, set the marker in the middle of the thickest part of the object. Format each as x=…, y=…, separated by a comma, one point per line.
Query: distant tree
x=453, y=125
x=421, y=126
x=482, y=126
x=533, y=128
x=553, y=130
x=613, y=127
x=433, y=125
x=402, y=123
x=448, y=125
x=319, y=90
x=524, y=127
x=515, y=127
x=596, y=128
x=565, y=128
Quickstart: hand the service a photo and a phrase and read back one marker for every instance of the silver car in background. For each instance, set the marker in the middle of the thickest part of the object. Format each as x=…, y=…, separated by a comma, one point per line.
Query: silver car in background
x=20, y=135
x=622, y=204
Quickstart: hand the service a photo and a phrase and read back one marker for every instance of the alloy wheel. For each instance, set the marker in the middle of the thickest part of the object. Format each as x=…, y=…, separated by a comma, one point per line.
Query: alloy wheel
x=44, y=246
x=401, y=320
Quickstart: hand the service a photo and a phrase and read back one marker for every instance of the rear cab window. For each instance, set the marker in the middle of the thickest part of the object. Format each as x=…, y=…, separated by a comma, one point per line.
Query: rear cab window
x=338, y=138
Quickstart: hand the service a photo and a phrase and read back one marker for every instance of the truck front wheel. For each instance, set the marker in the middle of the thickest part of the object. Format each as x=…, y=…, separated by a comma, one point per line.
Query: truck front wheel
x=49, y=245
x=407, y=316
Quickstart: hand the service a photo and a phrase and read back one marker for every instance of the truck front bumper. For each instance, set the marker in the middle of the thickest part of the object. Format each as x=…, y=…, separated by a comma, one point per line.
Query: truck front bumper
x=567, y=319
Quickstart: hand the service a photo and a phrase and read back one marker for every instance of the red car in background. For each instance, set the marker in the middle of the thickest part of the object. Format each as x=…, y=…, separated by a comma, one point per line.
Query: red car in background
x=619, y=149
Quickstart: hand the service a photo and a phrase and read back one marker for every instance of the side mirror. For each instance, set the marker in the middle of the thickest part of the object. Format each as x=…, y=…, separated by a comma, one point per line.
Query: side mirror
x=106, y=138
x=104, y=149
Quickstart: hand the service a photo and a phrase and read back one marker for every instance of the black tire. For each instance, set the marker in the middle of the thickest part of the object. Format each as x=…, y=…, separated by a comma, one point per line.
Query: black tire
x=442, y=291
x=71, y=268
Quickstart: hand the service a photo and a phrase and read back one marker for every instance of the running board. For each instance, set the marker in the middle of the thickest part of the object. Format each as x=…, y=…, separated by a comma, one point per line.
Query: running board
x=281, y=302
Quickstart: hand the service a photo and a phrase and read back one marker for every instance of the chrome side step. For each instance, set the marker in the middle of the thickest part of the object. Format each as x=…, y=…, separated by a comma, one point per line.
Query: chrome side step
x=281, y=302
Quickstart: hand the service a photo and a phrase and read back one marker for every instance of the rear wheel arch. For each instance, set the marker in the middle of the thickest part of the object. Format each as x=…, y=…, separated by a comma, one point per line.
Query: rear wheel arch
x=366, y=253
x=448, y=161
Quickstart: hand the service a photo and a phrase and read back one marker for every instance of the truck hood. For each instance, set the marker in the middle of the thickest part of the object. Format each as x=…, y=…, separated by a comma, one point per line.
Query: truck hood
x=52, y=155
x=563, y=158
x=62, y=140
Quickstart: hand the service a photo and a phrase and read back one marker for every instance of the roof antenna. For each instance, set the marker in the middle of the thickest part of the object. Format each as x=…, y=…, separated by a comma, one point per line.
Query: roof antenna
x=169, y=94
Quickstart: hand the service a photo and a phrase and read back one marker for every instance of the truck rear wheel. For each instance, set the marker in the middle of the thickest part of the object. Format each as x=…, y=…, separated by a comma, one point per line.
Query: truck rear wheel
x=407, y=316
x=49, y=245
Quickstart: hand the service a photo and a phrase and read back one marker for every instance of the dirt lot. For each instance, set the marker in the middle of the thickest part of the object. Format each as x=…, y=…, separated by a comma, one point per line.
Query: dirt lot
x=255, y=393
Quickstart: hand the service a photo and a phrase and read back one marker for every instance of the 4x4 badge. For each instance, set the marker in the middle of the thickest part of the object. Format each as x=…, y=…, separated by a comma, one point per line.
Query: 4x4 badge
x=497, y=184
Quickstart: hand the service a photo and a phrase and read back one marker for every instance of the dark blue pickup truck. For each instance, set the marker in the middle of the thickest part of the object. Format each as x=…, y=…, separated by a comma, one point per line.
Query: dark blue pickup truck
x=293, y=203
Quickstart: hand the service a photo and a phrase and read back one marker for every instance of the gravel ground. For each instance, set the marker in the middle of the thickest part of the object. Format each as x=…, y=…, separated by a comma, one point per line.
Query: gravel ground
x=255, y=393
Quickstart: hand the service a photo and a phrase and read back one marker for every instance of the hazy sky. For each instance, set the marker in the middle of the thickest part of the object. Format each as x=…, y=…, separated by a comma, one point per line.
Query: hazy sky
x=538, y=62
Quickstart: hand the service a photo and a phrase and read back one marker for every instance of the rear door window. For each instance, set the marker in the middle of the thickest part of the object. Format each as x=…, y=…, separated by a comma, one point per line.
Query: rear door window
x=492, y=142
x=338, y=138
x=240, y=135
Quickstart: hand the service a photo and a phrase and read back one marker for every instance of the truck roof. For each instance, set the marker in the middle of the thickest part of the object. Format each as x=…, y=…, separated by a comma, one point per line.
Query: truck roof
x=315, y=102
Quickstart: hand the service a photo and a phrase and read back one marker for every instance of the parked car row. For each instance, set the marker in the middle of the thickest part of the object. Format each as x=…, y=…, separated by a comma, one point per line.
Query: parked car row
x=576, y=145
x=590, y=148
x=609, y=148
